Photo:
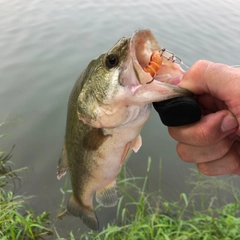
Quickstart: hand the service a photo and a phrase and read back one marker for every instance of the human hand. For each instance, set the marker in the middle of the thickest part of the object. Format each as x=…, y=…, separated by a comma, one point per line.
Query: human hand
x=213, y=142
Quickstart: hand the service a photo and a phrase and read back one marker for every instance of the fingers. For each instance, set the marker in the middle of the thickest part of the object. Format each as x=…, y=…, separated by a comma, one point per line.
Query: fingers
x=210, y=104
x=219, y=81
x=196, y=154
x=212, y=143
x=228, y=164
x=210, y=130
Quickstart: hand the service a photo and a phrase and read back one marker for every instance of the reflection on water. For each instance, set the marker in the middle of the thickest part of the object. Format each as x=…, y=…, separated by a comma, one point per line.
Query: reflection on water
x=45, y=45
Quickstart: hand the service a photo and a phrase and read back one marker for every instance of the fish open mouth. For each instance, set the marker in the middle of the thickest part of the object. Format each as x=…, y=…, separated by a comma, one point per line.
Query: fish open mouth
x=152, y=62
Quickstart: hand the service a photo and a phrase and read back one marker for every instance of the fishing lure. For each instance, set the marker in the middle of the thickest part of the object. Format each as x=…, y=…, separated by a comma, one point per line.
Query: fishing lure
x=155, y=63
x=156, y=59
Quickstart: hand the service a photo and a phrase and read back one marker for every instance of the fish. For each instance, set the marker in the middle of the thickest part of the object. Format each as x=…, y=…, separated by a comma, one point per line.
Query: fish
x=107, y=108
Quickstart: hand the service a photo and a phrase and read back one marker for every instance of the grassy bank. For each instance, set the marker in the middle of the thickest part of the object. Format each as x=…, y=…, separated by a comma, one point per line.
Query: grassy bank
x=200, y=215
x=17, y=219
x=197, y=216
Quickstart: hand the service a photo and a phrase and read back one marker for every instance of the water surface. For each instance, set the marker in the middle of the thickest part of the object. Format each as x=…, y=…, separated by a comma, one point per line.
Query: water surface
x=44, y=46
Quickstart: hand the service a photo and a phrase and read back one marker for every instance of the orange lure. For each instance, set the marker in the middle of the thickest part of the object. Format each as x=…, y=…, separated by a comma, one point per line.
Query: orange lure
x=155, y=63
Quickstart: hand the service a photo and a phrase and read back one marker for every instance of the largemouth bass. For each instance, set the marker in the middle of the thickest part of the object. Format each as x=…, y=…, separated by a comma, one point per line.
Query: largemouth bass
x=108, y=106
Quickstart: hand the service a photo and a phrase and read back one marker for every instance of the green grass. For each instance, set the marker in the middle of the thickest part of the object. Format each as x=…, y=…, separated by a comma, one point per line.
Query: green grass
x=17, y=219
x=197, y=216
x=203, y=214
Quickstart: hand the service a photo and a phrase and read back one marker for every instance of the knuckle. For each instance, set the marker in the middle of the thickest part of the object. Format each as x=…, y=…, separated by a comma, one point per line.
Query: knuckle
x=223, y=147
x=204, y=168
x=234, y=161
x=233, y=165
x=183, y=152
x=172, y=132
x=227, y=164
x=207, y=135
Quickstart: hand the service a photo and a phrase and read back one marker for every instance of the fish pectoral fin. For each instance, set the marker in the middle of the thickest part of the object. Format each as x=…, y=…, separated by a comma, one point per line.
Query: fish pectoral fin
x=86, y=214
x=62, y=163
x=107, y=196
x=136, y=143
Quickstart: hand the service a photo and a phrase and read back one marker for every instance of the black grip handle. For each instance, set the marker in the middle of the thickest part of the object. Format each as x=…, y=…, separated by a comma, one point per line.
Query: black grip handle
x=178, y=111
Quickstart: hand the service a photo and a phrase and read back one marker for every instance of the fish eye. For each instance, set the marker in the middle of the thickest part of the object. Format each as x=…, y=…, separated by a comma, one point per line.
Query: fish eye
x=112, y=60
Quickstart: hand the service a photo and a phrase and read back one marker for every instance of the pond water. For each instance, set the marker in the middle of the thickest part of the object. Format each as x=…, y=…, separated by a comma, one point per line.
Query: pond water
x=44, y=46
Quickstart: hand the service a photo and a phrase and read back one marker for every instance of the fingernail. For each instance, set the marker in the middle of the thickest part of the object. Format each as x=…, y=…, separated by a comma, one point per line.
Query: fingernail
x=229, y=123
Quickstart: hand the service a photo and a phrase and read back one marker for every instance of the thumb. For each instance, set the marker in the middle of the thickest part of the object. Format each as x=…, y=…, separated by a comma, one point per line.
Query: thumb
x=219, y=80
x=210, y=130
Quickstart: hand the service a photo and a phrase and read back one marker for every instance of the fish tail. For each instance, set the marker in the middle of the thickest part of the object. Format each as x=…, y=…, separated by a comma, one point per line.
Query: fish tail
x=88, y=216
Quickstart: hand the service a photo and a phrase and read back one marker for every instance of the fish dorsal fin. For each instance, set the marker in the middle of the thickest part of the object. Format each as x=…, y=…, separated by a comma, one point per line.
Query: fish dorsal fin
x=107, y=196
x=86, y=214
x=136, y=143
x=62, y=163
